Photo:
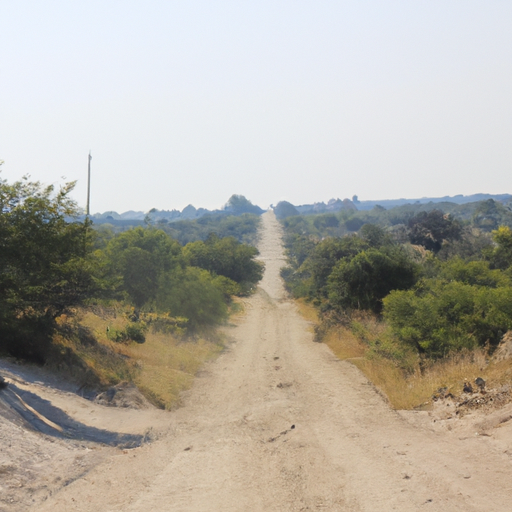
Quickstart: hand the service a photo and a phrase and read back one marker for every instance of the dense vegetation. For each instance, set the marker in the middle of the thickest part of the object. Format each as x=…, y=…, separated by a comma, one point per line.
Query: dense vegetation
x=439, y=284
x=51, y=264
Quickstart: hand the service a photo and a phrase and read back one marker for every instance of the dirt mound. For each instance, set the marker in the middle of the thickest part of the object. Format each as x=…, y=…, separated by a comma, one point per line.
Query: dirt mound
x=123, y=395
x=488, y=401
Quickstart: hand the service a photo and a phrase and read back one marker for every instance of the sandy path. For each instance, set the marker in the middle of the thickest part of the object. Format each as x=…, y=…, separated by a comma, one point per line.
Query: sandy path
x=277, y=423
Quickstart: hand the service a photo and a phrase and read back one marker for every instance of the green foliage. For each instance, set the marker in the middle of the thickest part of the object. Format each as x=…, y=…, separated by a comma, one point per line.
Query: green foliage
x=431, y=229
x=439, y=317
x=501, y=256
x=225, y=257
x=154, y=271
x=298, y=248
x=374, y=235
x=472, y=244
x=134, y=331
x=473, y=273
x=324, y=258
x=139, y=257
x=45, y=264
x=326, y=221
x=50, y=264
x=194, y=294
x=490, y=214
x=462, y=301
x=285, y=209
x=238, y=204
x=363, y=281
x=242, y=227
x=354, y=224
x=481, y=216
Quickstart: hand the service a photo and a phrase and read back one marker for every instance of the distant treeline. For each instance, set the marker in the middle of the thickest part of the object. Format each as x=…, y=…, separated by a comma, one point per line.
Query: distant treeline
x=239, y=219
x=236, y=205
x=284, y=208
x=484, y=215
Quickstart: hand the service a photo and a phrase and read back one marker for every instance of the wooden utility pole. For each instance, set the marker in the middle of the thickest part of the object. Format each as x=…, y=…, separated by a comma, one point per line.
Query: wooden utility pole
x=88, y=212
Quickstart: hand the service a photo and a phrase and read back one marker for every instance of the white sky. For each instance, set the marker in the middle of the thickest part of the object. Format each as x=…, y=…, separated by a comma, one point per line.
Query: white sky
x=191, y=101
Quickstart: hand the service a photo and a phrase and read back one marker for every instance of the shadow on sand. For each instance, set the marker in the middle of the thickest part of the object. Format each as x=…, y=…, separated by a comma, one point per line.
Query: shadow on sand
x=31, y=411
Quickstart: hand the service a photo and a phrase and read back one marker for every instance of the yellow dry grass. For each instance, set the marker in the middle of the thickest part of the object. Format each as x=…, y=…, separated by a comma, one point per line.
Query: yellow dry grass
x=344, y=343
x=307, y=310
x=166, y=366
x=162, y=367
x=413, y=388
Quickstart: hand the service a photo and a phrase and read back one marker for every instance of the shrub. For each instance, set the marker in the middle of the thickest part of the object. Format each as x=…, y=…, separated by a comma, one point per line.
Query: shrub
x=135, y=331
x=439, y=317
x=363, y=281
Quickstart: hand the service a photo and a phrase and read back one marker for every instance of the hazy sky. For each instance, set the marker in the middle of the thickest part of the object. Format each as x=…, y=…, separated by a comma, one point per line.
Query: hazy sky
x=192, y=101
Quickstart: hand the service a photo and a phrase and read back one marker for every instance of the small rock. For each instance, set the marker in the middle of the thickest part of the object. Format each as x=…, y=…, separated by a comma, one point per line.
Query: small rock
x=480, y=383
x=468, y=388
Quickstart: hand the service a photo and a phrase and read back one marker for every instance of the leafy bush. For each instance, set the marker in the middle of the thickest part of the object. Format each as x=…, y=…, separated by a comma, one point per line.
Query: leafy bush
x=439, y=317
x=363, y=281
x=285, y=209
x=138, y=258
x=193, y=294
x=324, y=258
x=501, y=256
x=225, y=257
x=135, y=331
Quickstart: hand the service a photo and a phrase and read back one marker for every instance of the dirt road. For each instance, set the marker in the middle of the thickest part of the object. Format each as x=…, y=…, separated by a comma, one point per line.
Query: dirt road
x=277, y=423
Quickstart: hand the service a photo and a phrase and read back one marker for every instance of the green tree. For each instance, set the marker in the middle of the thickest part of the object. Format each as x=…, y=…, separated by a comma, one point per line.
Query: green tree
x=285, y=209
x=440, y=317
x=194, y=294
x=225, y=257
x=238, y=204
x=490, y=214
x=324, y=258
x=139, y=257
x=46, y=266
x=501, y=256
x=326, y=220
x=363, y=281
x=376, y=236
x=431, y=229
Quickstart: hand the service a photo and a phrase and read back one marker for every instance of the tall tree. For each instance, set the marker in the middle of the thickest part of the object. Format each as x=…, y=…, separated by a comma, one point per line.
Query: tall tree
x=45, y=265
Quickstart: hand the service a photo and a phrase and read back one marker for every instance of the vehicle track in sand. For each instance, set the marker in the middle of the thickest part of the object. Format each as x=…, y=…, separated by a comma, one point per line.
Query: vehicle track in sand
x=277, y=423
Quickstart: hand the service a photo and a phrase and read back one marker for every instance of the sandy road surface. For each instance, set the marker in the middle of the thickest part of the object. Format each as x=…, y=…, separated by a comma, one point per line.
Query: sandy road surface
x=277, y=423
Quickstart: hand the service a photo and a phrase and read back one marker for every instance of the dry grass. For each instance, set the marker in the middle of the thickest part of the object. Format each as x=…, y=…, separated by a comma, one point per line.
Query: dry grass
x=307, y=310
x=237, y=309
x=344, y=343
x=162, y=367
x=166, y=366
x=396, y=371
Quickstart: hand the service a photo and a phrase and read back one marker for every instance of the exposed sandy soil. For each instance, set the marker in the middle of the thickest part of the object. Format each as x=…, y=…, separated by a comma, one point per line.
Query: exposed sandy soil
x=276, y=423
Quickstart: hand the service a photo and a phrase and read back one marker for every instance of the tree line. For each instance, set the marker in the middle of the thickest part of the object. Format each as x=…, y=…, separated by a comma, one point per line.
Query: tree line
x=50, y=264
